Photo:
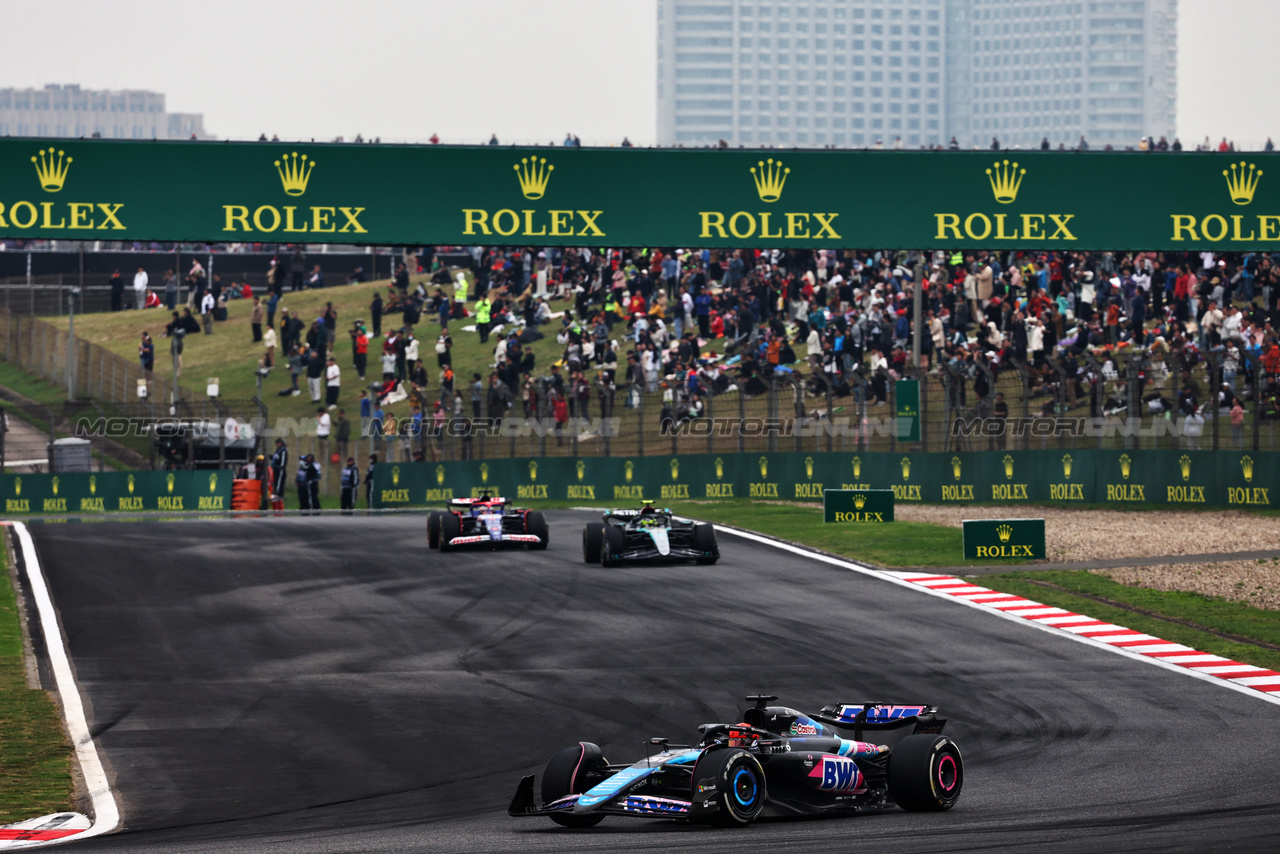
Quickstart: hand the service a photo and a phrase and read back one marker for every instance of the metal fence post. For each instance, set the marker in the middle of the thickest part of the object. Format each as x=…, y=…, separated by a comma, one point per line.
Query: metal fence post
x=1257, y=404
x=1215, y=383
x=639, y=421
x=742, y=416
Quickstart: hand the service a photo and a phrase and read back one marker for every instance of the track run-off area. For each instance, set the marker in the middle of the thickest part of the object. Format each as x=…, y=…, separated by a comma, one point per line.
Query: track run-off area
x=316, y=685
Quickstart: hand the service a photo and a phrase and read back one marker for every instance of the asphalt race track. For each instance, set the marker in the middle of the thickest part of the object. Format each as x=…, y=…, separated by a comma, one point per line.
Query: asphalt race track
x=330, y=685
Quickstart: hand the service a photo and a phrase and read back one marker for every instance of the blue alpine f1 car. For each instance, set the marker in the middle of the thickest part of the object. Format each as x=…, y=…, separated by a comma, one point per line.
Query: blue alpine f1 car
x=774, y=762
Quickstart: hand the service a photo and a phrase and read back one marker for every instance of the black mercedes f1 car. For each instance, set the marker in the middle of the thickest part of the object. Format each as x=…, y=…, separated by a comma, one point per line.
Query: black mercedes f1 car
x=487, y=521
x=648, y=534
x=775, y=762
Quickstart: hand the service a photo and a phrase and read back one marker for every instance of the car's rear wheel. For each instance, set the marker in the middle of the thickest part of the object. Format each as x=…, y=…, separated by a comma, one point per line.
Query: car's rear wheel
x=567, y=773
x=592, y=541
x=614, y=542
x=738, y=791
x=450, y=527
x=433, y=529
x=926, y=773
x=535, y=523
x=704, y=540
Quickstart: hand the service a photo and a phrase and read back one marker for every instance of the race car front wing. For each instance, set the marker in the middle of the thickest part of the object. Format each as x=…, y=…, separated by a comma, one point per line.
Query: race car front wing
x=523, y=804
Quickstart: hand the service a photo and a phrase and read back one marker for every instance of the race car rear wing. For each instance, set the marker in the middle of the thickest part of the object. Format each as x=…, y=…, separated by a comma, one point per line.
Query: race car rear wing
x=882, y=716
x=467, y=502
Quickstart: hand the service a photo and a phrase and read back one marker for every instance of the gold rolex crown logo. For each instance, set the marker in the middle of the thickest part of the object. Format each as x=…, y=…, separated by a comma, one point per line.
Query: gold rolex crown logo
x=93, y=484
x=484, y=472
x=17, y=486
x=857, y=466
x=764, y=466
x=808, y=467
x=295, y=172
x=55, y=484
x=533, y=469
x=1241, y=181
x=439, y=475
x=395, y=475
x=627, y=469
x=581, y=468
x=906, y=468
x=770, y=178
x=955, y=467
x=168, y=481
x=1184, y=462
x=719, y=467
x=534, y=173
x=1008, y=467
x=675, y=468
x=1066, y=466
x=130, y=484
x=213, y=482
x=859, y=501
x=1125, y=464
x=51, y=169
x=1246, y=465
x=1004, y=532
x=1005, y=180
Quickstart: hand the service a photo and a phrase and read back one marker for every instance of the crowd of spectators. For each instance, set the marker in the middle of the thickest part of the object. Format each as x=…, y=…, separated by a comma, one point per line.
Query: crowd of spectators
x=692, y=324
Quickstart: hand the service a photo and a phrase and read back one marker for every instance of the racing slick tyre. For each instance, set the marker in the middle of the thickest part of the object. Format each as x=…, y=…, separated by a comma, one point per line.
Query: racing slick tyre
x=535, y=523
x=592, y=541
x=433, y=529
x=926, y=773
x=450, y=527
x=614, y=542
x=704, y=540
x=729, y=789
x=566, y=774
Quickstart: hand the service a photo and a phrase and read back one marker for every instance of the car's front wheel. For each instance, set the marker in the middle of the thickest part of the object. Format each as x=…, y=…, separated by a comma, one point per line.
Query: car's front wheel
x=704, y=540
x=568, y=773
x=535, y=523
x=450, y=527
x=614, y=541
x=729, y=788
x=926, y=773
x=592, y=541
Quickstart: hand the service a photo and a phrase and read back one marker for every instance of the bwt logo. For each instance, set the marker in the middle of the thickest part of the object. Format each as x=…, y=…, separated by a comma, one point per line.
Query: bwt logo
x=836, y=774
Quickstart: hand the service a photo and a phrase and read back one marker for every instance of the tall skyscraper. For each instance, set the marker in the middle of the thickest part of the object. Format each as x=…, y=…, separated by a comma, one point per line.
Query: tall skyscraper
x=69, y=111
x=808, y=73
x=1102, y=69
x=813, y=73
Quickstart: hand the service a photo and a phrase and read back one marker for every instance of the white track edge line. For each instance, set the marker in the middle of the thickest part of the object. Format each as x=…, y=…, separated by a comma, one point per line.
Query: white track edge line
x=106, y=814
x=887, y=575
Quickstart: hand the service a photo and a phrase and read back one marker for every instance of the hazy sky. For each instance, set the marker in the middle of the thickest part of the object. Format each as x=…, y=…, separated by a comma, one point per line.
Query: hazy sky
x=529, y=71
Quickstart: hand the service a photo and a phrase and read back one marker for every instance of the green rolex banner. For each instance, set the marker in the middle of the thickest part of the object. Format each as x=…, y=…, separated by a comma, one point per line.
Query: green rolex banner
x=127, y=491
x=1003, y=538
x=126, y=190
x=907, y=393
x=856, y=506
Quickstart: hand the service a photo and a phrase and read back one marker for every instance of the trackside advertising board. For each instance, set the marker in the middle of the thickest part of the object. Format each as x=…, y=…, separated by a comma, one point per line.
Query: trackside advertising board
x=233, y=192
x=985, y=539
x=857, y=506
x=1169, y=478
x=116, y=491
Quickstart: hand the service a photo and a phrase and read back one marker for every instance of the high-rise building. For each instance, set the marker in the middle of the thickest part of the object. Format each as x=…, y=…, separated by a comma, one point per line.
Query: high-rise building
x=808, y=73
x=1102, y=69
x=813, y=73
x=69, y=111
